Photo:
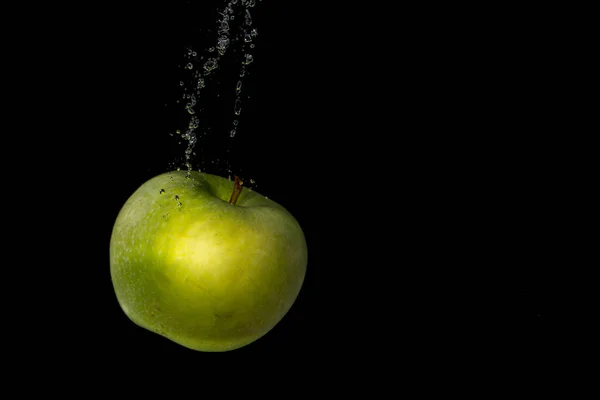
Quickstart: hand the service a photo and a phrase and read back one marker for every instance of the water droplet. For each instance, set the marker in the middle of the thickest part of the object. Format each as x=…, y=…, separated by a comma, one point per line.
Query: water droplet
x=224, y=27
x=210, y=64
x=222, y=44
x=194, y=122
x=161, y=191
x=237, y=109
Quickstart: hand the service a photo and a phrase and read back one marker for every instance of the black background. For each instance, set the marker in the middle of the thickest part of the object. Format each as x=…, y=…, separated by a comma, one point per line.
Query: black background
x=406, y=145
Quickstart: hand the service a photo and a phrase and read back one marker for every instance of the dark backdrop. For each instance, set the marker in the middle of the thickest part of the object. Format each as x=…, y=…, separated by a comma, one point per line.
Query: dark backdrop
x=407, y=146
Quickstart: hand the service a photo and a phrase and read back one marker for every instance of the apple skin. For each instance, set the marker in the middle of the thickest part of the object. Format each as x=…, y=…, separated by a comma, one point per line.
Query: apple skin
x=206, y=274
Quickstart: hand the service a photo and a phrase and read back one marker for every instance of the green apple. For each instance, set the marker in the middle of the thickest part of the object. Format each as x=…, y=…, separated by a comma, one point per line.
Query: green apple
x=203, y=263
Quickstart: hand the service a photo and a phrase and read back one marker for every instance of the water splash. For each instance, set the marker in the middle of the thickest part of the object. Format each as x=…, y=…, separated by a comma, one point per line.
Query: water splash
x=201, y=68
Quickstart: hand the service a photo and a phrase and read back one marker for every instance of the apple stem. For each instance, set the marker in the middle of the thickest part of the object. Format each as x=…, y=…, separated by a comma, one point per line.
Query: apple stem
x=237, y=189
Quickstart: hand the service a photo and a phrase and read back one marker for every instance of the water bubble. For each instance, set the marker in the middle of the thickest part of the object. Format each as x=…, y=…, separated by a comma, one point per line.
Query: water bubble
x=194, y=54
x=210, y=64
x=248, y=18
x=237, y=109
x=247, y=37
x=252, y=46
x=211, y=49
x=161, y=191
x=176, y=196
x=179, y=204
x=189, y=66
x=224, y=27
x=200, y=83
x=238, y=87
x=242, y=71
x=178, y=132
x=180, y=83
x=222, y=44
x=252, y=181
x=248, y=59
x=253, y=32
x=236, y=122
x=232, y=133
